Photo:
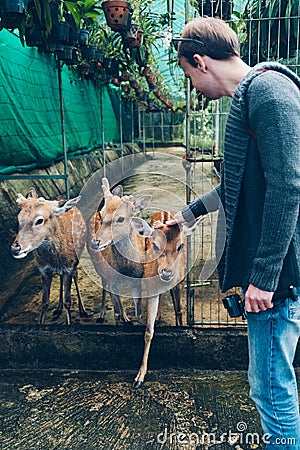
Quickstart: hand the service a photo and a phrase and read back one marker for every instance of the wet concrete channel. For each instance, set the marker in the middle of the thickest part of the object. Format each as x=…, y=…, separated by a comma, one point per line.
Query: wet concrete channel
x=75, y=410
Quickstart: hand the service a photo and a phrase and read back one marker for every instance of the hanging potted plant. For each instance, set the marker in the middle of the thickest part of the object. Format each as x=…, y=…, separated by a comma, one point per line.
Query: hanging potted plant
x=60, y=32
x=150, y=26
x=85, y=14
x=31, y=17
x=35, y=34
x=64, y=33
x=118, y=14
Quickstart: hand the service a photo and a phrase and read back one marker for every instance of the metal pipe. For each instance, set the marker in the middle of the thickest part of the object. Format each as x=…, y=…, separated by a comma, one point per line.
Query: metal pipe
x=63, y=130
x=102, y=128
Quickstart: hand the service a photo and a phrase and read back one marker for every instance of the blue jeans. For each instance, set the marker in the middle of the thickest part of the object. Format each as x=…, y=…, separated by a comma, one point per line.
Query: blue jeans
x=272, y=337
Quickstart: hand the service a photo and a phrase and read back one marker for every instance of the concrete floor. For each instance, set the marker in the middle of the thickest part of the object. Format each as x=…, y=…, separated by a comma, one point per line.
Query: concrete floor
x=184, y=410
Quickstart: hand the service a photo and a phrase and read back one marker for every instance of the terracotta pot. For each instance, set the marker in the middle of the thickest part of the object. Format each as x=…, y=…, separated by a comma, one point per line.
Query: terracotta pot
x=133, y=37
x=151, y=80
x=117, y=14
x=115, y=81
x=137, y=41
x=146, y=71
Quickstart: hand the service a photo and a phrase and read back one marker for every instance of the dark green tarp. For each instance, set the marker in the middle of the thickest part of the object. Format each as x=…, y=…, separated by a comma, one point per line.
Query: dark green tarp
x=30, y=123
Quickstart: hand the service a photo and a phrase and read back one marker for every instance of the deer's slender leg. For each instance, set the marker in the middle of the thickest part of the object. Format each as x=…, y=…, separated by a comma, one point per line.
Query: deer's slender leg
x=58, y=310
x=136, y=293
x=67, y=281
x=100, y=318
x=47, y=280
x=82, y=311
x=176, y=297
x=120, y=315
x=152, y=306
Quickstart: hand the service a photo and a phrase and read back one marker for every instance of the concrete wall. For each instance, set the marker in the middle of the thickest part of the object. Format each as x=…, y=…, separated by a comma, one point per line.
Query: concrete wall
x=119, y=348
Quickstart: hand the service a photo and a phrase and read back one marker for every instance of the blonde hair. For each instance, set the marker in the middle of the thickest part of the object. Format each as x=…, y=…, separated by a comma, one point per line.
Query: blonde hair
x=218, y=40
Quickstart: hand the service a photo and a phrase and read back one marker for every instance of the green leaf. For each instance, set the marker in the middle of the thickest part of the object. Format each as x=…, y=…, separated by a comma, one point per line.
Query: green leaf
x=38, y=9
x=73, y=9
x=47, y=16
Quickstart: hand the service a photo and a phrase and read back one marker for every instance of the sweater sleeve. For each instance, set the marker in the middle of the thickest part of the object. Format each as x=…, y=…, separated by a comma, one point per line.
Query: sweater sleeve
x=206, y=203
x=274, y=116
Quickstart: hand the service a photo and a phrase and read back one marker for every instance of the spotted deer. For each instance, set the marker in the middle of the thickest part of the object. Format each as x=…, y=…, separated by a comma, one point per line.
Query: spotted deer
x=116, y=251
x=56, y=231
x=165, y=269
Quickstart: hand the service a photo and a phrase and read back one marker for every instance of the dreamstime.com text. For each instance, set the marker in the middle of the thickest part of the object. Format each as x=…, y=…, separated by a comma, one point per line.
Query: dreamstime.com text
x=233, y=437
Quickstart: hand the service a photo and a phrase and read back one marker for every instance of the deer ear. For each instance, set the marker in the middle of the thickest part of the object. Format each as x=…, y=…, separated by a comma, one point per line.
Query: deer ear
x=189, y=229
x=63, y=206
x=31, y=193
x=40, y=201
x=118, y=191
x=141, y=203
x=141, y=227
x=106, y=188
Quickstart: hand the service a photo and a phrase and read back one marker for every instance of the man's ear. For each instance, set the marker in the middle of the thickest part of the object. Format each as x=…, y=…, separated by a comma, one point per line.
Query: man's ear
x=200, y=60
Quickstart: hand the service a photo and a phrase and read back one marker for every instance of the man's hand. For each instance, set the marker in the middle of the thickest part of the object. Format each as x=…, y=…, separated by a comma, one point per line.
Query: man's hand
x=257, y=300
x=178, y=218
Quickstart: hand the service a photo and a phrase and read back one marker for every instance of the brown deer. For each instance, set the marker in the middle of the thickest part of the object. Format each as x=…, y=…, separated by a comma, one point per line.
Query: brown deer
x=164, y=270
x=56, y=230
x=116, y=251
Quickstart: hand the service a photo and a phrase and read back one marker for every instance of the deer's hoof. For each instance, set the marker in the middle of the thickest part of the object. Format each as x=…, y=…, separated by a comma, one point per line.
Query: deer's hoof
x=68, y=320
x=136, y=384
x=83, y=314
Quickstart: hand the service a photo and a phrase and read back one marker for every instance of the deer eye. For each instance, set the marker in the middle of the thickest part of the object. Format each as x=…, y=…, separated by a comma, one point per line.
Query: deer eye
x=39, y=221
x=180, y=247
x=156, y=248
x=120, y=219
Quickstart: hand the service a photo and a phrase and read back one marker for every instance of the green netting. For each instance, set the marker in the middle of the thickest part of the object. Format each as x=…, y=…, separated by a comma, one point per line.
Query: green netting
x=30, y=122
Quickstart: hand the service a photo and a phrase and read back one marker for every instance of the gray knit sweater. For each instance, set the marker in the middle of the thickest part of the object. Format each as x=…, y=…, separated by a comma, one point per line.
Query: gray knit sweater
x=260, y=185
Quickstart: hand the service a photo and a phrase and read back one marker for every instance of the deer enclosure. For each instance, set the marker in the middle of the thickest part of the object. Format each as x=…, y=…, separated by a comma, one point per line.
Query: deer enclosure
x=163, y=177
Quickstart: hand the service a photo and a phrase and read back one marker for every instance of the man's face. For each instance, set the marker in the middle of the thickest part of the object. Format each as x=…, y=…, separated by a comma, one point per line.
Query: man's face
x=201, y=79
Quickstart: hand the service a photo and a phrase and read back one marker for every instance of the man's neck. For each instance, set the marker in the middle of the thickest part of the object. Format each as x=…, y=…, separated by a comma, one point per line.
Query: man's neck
x=230, y=73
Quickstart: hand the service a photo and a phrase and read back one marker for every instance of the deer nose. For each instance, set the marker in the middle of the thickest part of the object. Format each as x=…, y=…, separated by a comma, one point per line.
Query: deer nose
x=166, y=275
x=95, y=243
x=15, y=249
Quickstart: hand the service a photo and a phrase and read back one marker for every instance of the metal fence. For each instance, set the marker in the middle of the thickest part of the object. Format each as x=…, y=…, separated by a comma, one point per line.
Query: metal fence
x=268, y=31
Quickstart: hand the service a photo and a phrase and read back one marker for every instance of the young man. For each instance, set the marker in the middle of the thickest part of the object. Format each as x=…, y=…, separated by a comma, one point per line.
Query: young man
x=260, y=192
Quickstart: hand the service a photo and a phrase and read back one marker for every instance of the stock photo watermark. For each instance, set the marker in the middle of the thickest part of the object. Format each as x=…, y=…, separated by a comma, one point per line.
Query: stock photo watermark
x=237, y=436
